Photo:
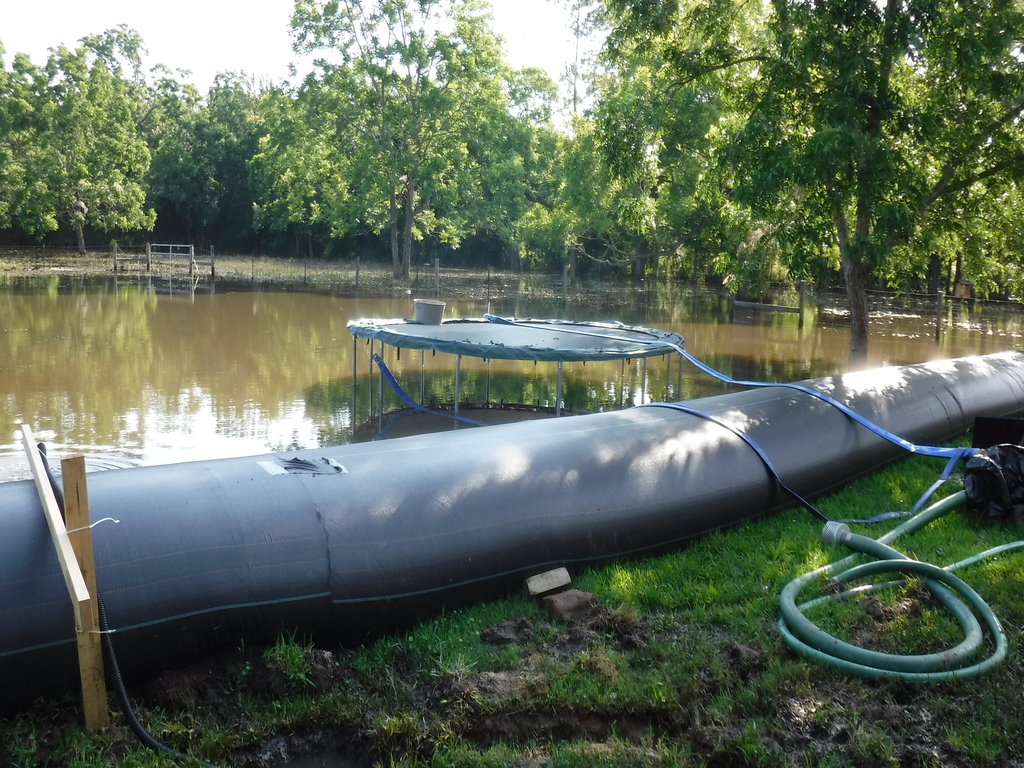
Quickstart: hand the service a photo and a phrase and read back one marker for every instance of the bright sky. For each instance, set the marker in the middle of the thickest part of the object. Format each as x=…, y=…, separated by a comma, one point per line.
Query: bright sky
x=211, y=36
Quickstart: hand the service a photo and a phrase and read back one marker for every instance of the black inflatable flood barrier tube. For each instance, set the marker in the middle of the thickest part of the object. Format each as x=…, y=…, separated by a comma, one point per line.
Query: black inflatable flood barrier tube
x=347, y=542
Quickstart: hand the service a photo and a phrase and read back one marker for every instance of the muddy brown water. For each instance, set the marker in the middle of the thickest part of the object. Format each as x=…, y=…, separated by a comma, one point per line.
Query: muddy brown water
x=131, y=376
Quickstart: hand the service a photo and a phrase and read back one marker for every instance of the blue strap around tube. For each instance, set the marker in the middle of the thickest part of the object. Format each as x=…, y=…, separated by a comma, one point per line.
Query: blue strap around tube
x=953, y=454
x=749, y=441
x=390, y=379
x=924, y=450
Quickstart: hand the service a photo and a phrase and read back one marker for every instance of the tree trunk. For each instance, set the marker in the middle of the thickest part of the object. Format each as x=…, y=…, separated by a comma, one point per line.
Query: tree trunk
x=934, y=273
x=80, y=238
x=396, y=259
x=640, y=256
x=410, y=216
x=856, y=290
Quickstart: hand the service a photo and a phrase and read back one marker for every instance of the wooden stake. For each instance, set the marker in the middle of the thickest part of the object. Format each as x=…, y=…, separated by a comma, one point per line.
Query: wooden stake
x=90, y=648
x=84, y=607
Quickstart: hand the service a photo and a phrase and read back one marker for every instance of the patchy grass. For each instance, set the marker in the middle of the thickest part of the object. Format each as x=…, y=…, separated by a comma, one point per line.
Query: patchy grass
x=683, y=666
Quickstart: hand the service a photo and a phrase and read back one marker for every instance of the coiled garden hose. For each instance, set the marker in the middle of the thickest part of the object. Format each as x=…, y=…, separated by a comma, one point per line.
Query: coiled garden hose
x=806, y=639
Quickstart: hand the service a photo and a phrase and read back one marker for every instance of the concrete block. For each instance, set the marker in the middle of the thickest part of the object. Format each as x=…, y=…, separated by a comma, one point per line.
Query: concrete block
x=548, y=581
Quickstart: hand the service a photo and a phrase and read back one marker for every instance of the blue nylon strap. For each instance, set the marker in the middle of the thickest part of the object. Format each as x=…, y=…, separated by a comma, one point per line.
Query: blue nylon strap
x=748, y=440
x=950, y=465
x=953, y=454
x=924, y=450
x=393, y=382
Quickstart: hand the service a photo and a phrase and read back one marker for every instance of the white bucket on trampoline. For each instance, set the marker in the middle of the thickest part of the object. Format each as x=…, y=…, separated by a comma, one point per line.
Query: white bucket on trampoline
x=428, y=311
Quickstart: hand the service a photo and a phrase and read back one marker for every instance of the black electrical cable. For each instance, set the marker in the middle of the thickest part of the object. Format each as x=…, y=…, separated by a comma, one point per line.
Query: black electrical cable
x=145, y=737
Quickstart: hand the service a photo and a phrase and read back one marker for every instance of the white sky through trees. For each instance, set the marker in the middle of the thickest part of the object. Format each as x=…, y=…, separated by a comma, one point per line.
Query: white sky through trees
x=211, y=36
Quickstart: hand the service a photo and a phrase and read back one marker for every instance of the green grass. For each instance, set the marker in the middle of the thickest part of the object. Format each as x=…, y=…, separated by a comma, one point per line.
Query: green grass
x=710, y=682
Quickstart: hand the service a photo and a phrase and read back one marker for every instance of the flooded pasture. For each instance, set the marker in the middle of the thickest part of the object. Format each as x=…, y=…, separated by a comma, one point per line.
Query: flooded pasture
x=132, y=376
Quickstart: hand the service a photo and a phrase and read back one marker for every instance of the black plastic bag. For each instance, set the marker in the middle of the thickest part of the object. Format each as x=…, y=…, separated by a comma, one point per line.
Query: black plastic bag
x=994, y=482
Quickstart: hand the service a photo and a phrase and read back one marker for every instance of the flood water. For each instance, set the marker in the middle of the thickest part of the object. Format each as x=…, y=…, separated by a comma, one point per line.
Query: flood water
x=133, y=376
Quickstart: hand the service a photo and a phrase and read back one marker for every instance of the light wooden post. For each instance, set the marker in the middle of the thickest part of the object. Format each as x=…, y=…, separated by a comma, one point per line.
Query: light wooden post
x=90, y=649
x=84, y=606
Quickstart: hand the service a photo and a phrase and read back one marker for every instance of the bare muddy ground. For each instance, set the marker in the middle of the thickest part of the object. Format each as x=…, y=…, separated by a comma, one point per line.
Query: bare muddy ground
x=825, y=722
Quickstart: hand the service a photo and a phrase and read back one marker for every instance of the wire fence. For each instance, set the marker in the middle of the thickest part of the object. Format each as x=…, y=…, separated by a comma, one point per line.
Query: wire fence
x=377, y=276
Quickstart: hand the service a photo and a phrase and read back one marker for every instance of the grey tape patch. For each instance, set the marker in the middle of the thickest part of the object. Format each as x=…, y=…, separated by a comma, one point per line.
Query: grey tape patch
x=297, y=466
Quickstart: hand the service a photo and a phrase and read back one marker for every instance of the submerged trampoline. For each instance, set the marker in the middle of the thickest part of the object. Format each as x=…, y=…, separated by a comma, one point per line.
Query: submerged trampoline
x=490, y=338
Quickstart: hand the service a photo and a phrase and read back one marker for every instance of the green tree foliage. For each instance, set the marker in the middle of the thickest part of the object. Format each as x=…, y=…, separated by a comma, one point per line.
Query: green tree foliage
x=412, y=77
x=512, y=154
x=72, y=154
x=198, y=181
x=859, y=124
x=299, y=175
x=414, y=128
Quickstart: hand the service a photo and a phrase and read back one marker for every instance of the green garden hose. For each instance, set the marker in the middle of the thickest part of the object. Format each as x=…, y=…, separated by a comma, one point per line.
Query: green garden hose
x=806, y=639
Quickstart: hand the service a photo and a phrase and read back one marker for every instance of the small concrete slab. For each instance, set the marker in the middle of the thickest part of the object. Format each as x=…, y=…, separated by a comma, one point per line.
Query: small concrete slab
x=548, y=581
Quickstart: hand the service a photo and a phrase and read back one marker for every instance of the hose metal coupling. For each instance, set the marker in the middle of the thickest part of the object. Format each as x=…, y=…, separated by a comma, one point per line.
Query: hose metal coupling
x=834, y=534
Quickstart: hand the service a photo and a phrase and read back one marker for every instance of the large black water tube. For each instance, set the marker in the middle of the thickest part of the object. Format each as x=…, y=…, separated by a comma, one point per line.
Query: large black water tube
x=349, y=541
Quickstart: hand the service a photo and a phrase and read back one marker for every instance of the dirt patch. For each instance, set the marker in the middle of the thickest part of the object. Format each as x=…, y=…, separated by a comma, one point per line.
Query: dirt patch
x=500, y=686
x=208, y=685
x=510, y=632
x=271, y=678
x=346, y=744
x=567, y=726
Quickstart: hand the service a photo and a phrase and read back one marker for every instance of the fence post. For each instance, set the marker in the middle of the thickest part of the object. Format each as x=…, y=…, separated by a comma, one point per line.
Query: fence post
x=149, y=257
x=437, y=277
x=565, y=284
x=940, y=299
x=113, y=251
x=357, y=279
x=803, y=298
x=213, y=269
